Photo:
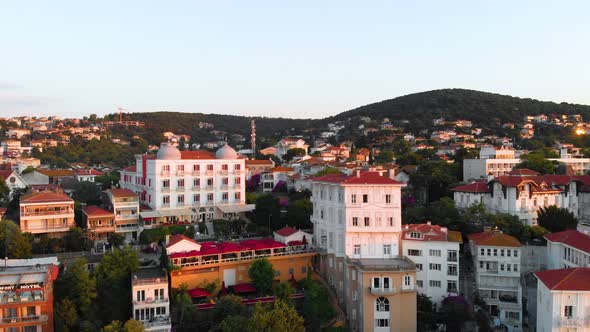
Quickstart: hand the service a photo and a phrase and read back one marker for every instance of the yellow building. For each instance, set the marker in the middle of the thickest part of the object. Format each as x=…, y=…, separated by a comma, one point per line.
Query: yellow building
x=229, y=262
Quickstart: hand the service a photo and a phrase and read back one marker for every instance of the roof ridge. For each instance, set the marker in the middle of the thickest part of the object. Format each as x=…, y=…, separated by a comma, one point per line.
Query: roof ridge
x=565, y=278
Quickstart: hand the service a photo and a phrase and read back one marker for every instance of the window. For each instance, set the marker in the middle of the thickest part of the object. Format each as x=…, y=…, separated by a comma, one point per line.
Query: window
x=407, y=281
x=508, y=267
x=434, y=283
x=180, y=199
x=390, y=219
x=381, y=322
x=387, y=249
x=452, y=269
x=165, y=200
x=508, y=253
x=435, y=253
x=420, y=283
x=209, y=182
x=238, y=180
x=414, y=252
x=237, y=196
x=451, y=286
x=224, y=196
x=224, y=167
x=495, y=252
x=180, y=168
x=415, y=235
x=386, y=282
x=382, y=304
x=140, y=296
x=237, y=167
x=180, y=183
x=291, y=271
x=482, y=252
x=387, y=199
x=568, y=311
x=367, y=221
x=515, y=268
x=489, y=252
x=165, y=168
x=452, y=256
x=354, y=295
x=209, y=197
x=365, y=198
x=355, y=221
x=196, y=182
x=515, y=253
x=353, y=314
x=376, y=282
x=304, y=269
x=435, y=267
x=353, y=199
x=210, y=167
x=196, y=198
x=502, y=252
x=196, y=168
x=225, y=181
x=501, y=267
x=166, y=183
x=356, y=249
x=419, y=267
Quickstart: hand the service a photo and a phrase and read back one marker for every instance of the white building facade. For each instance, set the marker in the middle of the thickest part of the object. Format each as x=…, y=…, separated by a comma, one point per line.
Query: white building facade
x=151, y=300
x=563, y=300
x=188, y=186
x=496, y=258
x=435, y=251
x=568, y=249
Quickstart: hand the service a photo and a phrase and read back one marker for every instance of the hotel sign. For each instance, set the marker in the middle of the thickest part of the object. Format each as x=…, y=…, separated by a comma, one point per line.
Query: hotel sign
x=20, y=286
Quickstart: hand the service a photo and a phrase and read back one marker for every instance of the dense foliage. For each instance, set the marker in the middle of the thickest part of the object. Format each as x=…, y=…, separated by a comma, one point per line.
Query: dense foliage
x=262, y=275
x=556, y=219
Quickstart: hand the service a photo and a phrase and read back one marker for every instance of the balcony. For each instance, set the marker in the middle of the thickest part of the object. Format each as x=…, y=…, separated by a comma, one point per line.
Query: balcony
x=24, y=319
x=47, y=213
x=196, y=188
x=382, y=291
x=180, y=189
x=179, y=173
x=165, y=189
x=572, y=322
x=21, y=299
x=152, y=300
x=157, y=322
x=196, y=173
x=411, y=288
x=165, y=173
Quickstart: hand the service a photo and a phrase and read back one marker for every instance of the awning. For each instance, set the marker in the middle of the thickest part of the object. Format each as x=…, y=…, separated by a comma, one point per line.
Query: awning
x=32, y=278
x=175, y=212
x=198, y=292
x=149, y=214
x=244, y=288
x=236, y=208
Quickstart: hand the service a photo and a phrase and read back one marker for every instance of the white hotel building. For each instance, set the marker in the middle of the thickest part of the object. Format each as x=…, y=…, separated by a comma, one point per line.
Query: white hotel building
x=435, y=250
x=188, y=186
x=357, y=227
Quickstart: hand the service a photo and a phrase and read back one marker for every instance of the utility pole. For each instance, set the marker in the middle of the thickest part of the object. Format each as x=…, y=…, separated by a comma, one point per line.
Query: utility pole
x=253, y=138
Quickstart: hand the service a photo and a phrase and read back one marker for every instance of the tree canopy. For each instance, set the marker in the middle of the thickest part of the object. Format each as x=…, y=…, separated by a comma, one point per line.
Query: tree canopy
x=262, y=275
x=280, y=316
x=15, y=243
x=556, y=219
x=538, y=163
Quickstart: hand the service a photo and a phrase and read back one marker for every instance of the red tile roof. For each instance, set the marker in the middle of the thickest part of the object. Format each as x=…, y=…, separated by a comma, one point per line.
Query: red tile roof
x=118, y=192
x=215, y=248
x=474, y=187
x=89, y=172
x=286, y=231
x=572, y=238
x=95, y=211
x=57, y=172
x=431, y=233
x=174, y=239
x=573, y=279
x=281, y=169
x=365, y=177
x=258, y=162
x=494, y=238
x=45, y=197
x=198, y=154
x=5, y=173
x=132, y=169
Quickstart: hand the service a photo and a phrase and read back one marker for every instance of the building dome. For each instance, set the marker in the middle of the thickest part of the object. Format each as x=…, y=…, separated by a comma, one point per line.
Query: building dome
x=226, y=152
x=168, y=152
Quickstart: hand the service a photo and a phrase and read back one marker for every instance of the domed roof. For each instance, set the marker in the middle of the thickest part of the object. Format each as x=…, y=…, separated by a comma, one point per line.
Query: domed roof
x=168, y=151
x=226, y=152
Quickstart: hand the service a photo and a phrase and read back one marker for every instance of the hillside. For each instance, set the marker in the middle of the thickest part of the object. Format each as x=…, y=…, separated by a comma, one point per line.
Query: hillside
x=483, y=108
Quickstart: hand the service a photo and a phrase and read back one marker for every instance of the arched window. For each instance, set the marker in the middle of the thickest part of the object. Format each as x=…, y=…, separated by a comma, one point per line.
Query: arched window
x=382, y=304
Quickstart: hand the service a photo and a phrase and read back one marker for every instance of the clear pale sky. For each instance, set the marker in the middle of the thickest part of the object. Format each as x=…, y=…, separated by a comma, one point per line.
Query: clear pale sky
x=283, y=58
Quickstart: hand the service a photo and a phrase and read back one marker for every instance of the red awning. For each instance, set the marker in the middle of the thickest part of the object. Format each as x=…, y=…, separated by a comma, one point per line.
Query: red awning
x=244, y=288
x=198, y=292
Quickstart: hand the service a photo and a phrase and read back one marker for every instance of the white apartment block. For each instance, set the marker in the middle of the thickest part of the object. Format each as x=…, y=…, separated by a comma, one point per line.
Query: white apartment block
x=357, y=227
x=289, y=143
x=563, y=300
x=188, y=186
x=150, y=298
x=496, y=258
x=124, y=204
x=522, y=192
x=435, y=251
x=568, y=249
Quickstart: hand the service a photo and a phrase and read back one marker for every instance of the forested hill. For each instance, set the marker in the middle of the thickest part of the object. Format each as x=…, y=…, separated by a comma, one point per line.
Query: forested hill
x=453, y=104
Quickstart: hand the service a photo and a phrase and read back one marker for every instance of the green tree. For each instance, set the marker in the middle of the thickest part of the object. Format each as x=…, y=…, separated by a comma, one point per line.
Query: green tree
x=116, y=239
x=268, y=212
x=435, y=178
x=114, y=326
x=426, y=313
x=181, y=305
x=284, y=291
x=4, y=192
x=113, y=281
x=66, y=315
x=87, y=192
x=133, y=325
x=14, y=244
x=295, y=152
x=281, y=316
x=538, y=163
x=299, y=212
x=76, y=285
x=328, y=171
x=556, y=219
x=77, y=239
x=229, y=305
x=262, y=274
x=234, y=323
x=443, y=212
x=384, y=156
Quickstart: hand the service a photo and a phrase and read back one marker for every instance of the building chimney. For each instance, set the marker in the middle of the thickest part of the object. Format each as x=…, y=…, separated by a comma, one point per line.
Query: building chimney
x=167, y=239
x=358, y=173
x=429, y=223
x=391, y=173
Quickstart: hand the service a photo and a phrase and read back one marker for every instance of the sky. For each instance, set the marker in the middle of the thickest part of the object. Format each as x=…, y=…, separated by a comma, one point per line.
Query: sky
x=301, y=59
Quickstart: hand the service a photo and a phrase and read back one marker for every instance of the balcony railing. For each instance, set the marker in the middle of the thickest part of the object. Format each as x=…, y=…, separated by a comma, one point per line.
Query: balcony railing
x=243, y=256
x=24, y=319
x=21, y=299
x=46, y=213
x=157, y=321
x=382, y=291
x=152, y=300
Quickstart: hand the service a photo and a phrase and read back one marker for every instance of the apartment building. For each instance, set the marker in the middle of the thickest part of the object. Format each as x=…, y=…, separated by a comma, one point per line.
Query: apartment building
x=229, y=261
x=563, y=300
x=357, y=227
x=99, y=222
x=568, y=249
x=151, y=299
x=46, y=212
x=188, y=186
x=496, y=258
x=271, y=178
x=26, y=294
x=522, y=192
x=124, y=204
x=435, y=251
x=288, y=143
